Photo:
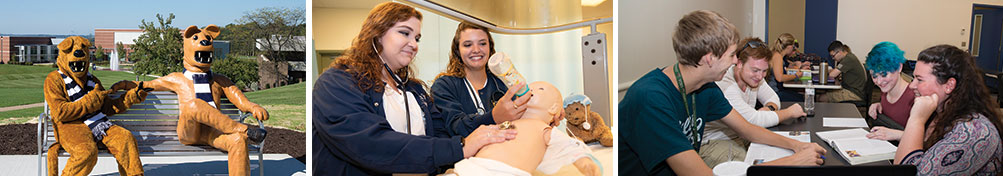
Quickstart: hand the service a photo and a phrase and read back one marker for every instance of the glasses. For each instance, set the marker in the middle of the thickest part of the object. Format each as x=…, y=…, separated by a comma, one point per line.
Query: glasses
x=752, y=44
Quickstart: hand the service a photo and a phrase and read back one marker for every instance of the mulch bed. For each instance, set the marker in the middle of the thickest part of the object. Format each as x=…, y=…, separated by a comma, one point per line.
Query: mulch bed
x=20, y=139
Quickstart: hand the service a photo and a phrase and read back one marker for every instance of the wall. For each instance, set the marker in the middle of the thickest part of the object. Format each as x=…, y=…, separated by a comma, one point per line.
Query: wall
x=645, y=31
x=553, y=57
x=786, y=16
x=912, y=24
x=334, y=28
x=820, y=26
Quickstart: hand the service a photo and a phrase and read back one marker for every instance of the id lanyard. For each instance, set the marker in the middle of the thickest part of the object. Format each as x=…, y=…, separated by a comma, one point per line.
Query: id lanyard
x=476, y=97
x=687, y=103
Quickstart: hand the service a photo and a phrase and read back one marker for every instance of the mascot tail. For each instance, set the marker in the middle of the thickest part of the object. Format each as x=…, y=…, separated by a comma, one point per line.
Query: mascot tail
x=53, y=159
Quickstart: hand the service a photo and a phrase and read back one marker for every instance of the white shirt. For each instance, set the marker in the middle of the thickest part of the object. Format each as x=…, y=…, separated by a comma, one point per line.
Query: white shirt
x=744, y=102
x=393, y=107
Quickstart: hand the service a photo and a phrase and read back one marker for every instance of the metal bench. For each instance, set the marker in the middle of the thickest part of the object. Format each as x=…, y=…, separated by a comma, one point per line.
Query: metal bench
x=154, y=124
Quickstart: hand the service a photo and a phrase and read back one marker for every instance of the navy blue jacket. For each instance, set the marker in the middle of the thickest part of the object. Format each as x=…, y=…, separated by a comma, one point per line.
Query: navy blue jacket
x=452, y=98
x=351, y=135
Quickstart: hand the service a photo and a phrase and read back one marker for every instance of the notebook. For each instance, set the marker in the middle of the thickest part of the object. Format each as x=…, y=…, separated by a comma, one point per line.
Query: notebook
x=853, y=145
x=760, y=153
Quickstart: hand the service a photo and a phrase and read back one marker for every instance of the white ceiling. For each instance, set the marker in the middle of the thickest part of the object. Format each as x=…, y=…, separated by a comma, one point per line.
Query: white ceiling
x=351, y=4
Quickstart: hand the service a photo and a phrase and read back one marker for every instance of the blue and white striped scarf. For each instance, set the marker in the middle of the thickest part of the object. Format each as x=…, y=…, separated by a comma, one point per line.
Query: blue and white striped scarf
x=201, y=84
x=96, y=121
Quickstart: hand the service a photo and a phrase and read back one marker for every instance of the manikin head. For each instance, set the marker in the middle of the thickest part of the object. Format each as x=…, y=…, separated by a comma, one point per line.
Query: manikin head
x=545, y=104
x=74, y=57
x=198, y=47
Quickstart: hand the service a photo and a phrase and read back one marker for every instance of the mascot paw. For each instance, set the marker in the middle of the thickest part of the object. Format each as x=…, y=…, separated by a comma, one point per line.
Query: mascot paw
x=145, y=89
x=122, y=85
x=139, y=93
x=260, y=113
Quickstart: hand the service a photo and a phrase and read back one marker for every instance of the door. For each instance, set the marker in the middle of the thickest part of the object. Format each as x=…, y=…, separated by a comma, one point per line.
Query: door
x=987, y=34
x=987, y=25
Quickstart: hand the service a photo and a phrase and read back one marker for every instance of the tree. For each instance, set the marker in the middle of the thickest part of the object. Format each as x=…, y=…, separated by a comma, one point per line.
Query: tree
x=120, y=48
x=99, y=53
x=274, y=29
x=158, y=50
x=243, y=72
x=274, y=26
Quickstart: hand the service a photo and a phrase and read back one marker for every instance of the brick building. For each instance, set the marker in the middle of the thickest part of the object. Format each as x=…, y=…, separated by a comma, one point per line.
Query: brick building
x=107, y=38
x=27, y=49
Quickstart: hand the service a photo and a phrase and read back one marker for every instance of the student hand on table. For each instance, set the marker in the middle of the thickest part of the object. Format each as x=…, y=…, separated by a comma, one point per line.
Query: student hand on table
x=882, y=133
x=809, y=154
x=874, y=110
x=484, y=135
x=794, y=111
x=805, y=154
x=834, y=73
x=806, y=65
x=508, y=110
x=794, y=65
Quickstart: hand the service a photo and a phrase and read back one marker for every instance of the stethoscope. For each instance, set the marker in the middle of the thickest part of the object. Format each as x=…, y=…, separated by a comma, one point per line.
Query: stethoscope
x=400, y=85
x=475, y=96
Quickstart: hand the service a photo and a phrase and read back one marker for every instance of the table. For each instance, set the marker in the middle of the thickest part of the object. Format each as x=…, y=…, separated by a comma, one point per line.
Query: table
x=829, y=84
x=814, y=124
x=817, y=86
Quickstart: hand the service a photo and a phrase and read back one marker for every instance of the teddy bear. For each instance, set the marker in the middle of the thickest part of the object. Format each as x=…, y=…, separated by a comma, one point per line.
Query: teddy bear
x=199, y=90
x=79, y=106
x=584, y=123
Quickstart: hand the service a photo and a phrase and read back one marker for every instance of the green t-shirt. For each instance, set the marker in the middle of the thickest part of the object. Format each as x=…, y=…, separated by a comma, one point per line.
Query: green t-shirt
x=654, y=124
x=854, y=75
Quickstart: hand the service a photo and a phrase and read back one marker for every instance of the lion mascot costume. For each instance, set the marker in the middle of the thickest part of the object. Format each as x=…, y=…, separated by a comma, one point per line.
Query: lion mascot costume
x=79, y=105
x=199, y=91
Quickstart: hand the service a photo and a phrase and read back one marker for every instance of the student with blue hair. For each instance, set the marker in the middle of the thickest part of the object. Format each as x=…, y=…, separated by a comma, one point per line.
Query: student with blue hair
x=889, y=116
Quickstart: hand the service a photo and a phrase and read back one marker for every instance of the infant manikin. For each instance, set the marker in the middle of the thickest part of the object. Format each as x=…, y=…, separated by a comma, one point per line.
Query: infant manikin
x=536, y=146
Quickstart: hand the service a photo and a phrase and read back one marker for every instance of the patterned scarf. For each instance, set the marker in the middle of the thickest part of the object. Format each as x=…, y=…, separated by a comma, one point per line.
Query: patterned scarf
x=201, y=84
x=96, y=121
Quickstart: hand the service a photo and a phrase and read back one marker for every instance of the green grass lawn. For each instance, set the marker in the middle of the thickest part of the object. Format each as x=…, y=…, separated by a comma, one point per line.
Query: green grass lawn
x=20, y=116
x=23, y=84
x=286, y=105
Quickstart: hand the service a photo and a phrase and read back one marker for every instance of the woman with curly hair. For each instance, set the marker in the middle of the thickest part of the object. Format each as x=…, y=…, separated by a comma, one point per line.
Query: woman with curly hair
x=467, y=92
x=889, y=116
x=953, y=126
x=372, y=117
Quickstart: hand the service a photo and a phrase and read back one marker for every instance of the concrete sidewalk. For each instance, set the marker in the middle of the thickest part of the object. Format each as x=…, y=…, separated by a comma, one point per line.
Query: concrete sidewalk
x=275, y=164
x=11, y=108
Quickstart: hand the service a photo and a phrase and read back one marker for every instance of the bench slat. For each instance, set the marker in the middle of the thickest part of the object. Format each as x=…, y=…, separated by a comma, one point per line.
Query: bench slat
x=154, y=117
x=171, y=112
x=160, y=141
x=104, y=153
x=158, y=101
x=171, y=106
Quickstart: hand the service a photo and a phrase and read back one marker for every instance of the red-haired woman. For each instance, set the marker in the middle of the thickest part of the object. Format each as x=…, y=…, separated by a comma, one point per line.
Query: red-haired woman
x=372, y=117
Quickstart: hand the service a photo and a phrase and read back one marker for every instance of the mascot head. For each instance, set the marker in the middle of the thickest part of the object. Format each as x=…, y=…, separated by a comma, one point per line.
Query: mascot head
x=74, y=57
x=198, y=47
